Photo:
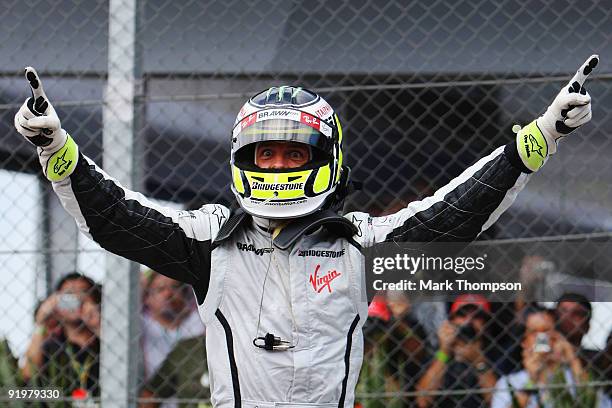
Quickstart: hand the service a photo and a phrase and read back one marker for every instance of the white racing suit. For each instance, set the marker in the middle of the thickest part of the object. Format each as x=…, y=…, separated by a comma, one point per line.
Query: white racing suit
x=314, y=289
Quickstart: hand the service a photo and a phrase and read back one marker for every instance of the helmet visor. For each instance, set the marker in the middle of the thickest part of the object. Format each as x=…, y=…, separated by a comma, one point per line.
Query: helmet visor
x=284, y=125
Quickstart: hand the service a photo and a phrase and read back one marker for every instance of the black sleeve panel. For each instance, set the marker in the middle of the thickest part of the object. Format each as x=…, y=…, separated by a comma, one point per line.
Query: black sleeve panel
x=463, y=211
x=131, y=229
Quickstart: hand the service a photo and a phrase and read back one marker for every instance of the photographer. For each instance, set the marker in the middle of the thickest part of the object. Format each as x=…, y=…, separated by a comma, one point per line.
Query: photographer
x=548, y=360
x=70, y=360
x=46, y=326
x=460, y=362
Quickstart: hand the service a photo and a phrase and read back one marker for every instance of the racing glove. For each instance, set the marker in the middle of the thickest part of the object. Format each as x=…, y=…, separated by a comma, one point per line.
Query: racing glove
x=38, y=122
x=570, y=109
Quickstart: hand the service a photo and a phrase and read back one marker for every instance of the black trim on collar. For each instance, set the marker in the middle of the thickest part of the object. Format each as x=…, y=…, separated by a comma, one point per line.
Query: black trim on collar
x=333, y=222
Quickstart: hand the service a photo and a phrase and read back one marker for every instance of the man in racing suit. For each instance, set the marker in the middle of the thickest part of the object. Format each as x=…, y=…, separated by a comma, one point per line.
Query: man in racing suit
x=280, y=283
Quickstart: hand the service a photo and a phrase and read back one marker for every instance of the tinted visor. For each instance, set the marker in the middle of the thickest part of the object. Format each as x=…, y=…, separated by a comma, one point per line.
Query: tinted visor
x=282, y=130
x=289, y=125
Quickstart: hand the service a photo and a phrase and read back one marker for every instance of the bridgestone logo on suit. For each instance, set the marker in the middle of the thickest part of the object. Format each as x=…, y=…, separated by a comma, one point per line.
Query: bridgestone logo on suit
x=321, y=253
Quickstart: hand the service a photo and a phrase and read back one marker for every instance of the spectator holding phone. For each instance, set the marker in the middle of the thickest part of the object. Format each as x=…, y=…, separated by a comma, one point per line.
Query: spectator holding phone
x=70, y=360
x=460, y=362
x=551, y=371
x=46, y=326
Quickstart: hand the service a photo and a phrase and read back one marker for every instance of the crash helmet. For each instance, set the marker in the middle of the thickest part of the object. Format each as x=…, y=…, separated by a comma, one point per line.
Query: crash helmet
x=287, y=114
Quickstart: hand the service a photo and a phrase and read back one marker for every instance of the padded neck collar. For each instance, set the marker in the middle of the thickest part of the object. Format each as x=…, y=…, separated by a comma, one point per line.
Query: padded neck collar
x=333, y=222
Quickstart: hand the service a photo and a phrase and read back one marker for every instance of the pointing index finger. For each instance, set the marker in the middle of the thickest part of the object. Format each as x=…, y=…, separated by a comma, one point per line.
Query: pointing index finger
x=583, y=72
x=35, y=83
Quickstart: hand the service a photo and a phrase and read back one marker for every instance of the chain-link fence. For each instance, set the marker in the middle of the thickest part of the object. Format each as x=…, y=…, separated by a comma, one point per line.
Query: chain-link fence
x=150, y=89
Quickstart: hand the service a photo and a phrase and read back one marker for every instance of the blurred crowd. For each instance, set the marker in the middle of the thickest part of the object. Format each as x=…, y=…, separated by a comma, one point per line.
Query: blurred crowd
x=64, y=349
x=466, y=353
x=500, y=355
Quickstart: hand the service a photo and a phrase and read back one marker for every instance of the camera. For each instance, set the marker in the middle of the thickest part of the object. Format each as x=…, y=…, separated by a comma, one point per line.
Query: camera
x=542, y=343
x=467, y=332
x=69, y=302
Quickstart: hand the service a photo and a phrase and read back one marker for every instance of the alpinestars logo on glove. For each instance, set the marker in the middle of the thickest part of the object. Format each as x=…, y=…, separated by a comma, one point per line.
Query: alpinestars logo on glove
x=535, y=146
x=321, y=282
x=61, y=162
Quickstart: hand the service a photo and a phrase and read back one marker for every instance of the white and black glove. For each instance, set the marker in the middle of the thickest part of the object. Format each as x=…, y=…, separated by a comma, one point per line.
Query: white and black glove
x=38, y=122
x=570, y=109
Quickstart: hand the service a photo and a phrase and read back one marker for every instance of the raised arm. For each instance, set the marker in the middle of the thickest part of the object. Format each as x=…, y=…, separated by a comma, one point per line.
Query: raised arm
x=474, y=200
x=175, y=243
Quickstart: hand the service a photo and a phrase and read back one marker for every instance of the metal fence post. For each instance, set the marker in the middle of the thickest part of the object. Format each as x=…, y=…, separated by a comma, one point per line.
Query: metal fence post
x=119, y=351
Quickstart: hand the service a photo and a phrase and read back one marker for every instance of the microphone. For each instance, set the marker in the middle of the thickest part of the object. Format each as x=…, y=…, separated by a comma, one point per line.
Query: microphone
x=272, y=343
x=274, y=195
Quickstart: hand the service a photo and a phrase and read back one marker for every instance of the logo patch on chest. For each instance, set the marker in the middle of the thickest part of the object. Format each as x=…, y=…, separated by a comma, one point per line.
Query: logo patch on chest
x=321, y=253
x=252, y=248
x=320, y=282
